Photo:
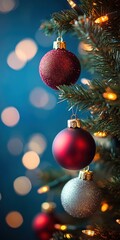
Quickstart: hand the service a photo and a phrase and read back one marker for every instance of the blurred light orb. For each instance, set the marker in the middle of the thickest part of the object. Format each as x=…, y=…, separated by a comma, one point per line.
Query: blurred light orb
x=39, y=97
x=15, y=146
x=84, y=47
x=7, y=5
x=43, y=40
x=85, y=81
x=31, y=160
x=14, y=62
x=26, y=49
x=22, y=185
x=37, y=143
x=14, y=219
x=10, y=116
x=51, y=103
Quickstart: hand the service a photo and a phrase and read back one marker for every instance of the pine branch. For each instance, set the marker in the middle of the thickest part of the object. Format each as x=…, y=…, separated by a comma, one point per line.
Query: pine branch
x=105, y=55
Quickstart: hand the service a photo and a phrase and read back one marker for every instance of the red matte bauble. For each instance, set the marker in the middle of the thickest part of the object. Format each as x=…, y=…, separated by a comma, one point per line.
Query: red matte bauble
x=74, y=148
x=59, y=67
x=43, y=225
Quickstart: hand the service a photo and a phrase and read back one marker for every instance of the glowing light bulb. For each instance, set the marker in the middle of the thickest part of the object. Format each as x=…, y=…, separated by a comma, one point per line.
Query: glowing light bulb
x=89, y=232
x=43, y=189
x=102, y=19
x=118, y=221
x=60, y=227
x=110, y=96
x=72, y=4
x=104, y=207
x=100, y=134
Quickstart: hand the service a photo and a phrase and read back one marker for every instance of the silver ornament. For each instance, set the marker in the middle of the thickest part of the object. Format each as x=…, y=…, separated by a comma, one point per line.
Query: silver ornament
x=80, y=198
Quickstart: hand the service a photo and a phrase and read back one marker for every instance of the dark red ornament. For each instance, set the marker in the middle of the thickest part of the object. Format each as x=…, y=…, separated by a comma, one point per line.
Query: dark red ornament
x=74, y=148
x=43, y=223
x=59, y=67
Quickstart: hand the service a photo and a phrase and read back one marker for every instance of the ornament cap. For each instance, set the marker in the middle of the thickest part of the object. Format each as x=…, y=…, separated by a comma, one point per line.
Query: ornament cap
x=59, y=43
x=48, y=207
x=86, y=175
x=74, y=123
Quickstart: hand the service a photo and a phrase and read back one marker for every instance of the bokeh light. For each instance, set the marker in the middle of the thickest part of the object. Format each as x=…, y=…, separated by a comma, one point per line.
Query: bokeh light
x=15, y=146
x=26, y=49
x=14, y=62
x=22, y=185
x=39, y=97
x=37, y=143
x=84, y=47
x=10, y=116
x=7, y=5
x=51, y=103
x=31, y=160
x=14, y=219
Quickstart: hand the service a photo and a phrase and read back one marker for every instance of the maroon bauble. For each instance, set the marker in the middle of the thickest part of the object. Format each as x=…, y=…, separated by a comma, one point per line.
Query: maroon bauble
x=43, y=225
x=73, y=148
x=59, y=67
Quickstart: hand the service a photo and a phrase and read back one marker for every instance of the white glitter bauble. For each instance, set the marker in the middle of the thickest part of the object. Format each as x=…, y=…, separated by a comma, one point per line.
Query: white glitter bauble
x=80, y=198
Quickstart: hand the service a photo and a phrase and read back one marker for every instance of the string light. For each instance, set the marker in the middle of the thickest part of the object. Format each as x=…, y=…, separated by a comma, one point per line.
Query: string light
x=104, y=207
x=110, y=96
x=100, y=134
x=89, y=232
x=68, y=236
x=75, y=7
x=43, y=189
x=118, y=221
x=60, y=227
x=102, y=19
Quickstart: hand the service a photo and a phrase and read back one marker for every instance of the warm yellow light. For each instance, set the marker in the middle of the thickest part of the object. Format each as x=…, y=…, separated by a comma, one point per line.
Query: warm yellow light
x=68, y=235
x=110, y=96
x=89, y=232
x=104, y=207
x=14, y=219
x=118, y=221
x=102, y=19
x=72, y=4
x=63, y=227
x=31, y=160
x=85, y=47
x=60, y=227
x=100, y=134
x=43, y=189
x=96, y=157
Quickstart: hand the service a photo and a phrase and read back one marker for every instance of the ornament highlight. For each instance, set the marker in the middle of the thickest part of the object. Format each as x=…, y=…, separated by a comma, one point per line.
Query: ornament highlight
x=59, y=66
x=73, y=148
x=80, y=197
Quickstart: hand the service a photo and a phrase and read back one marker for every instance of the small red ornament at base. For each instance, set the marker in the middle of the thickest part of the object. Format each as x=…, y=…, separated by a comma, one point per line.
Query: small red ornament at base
x=74, y=148
x=43, y=223
x=59, y=66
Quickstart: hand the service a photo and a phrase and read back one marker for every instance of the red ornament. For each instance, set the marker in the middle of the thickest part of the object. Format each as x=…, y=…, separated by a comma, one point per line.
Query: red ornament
x=74, y=148
x=59, y=66
x=43, y=223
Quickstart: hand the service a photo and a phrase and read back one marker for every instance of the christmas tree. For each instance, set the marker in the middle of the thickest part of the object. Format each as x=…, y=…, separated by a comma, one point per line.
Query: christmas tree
x=96, y=25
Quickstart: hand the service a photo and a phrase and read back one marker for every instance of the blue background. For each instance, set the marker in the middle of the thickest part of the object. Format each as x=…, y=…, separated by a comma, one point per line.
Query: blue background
x=15, y=87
